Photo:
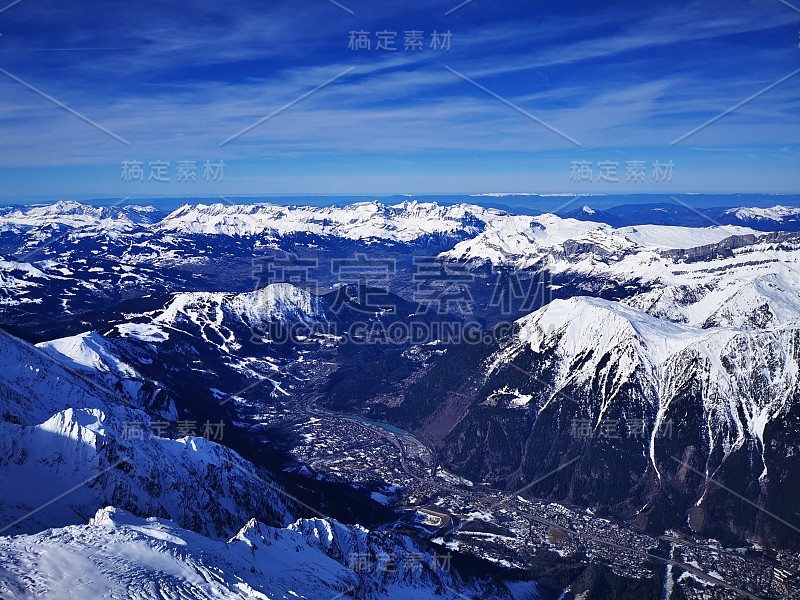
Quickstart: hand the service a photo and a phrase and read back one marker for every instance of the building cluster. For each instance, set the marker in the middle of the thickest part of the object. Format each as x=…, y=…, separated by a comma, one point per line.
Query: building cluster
x=518, y=532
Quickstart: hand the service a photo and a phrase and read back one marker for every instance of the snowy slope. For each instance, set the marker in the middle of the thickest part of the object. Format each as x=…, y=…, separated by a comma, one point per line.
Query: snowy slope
x=228, y=320
x=404, y=222
x=63, y=432
x=91, y=355
x=52, y=278
x=21, y=283
x=672, y=237
x=143, y=357
x=34, y=386
x=757, y=286
x=122, y=556
x=711, y=276
x=277, y=301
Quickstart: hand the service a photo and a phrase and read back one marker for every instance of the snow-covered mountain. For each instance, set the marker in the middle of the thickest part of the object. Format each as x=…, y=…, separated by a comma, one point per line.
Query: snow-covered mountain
x=753, y=286
x=405, y=222
x=776, y=214
x=689, y=211
x=56, y=282
x=711, y=276
x=96, y=257
x=609, y=345
x=64, y=433
x=75, y=215
x=120, y=555
x=228, y=317
x=100, y=256
x=69, y=446
x=20, y=282
x=174, y=354
x=583, y=247
x=704, y=336
x=25, y=231
x=91, y=355
x=742, y=297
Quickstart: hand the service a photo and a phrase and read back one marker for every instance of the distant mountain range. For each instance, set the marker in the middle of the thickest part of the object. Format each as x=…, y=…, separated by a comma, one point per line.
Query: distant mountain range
x=99, y=256
x=774, y=218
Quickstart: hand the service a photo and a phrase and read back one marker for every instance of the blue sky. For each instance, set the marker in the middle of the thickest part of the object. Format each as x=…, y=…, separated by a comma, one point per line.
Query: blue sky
x=624, y=80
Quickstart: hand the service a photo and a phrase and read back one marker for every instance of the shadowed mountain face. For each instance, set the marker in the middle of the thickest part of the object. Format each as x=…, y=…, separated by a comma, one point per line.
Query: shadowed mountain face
x=775, y=218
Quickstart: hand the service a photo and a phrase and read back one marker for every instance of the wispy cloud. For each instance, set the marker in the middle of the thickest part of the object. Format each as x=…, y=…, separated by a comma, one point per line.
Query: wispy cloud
x=197, y=73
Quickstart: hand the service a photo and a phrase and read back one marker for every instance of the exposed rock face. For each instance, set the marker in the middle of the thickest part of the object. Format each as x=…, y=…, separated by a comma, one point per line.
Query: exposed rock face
x=721, y=249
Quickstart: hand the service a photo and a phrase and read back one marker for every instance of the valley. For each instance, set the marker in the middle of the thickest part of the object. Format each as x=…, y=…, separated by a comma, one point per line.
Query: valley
x=517, y=532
